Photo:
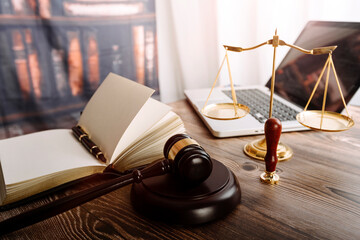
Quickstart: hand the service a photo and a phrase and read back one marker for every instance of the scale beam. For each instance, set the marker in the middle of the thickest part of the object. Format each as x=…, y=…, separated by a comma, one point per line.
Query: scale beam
x=314, y=51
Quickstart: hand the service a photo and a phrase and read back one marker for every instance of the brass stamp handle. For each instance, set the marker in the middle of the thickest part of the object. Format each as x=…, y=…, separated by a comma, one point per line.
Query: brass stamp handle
x=272, y=135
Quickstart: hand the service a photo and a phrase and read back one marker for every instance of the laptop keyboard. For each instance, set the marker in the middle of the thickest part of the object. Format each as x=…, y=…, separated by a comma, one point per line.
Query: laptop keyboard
x=258, y=102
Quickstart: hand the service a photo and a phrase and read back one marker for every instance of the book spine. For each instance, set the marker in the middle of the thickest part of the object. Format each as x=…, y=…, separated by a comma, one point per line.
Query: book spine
x=92, y=59
x=33, y=6
x=139, y=52
x=34, y=66
x=57, y=8
x=116, y=59
x=75, y=63
x=3, y=133
x=21, y=64
x=14, y=130
x=10, y=86
x=3, y=82
x=156, y=61
x=5, y=6
x=150, y=59
x=101, y=1
x=23, y=127
x=111, y=59
x=45, y=8
x=24, y=7
x=42, y=38
x=58, y=63
x=150, y=6
x=102, y=9
x=59, y=71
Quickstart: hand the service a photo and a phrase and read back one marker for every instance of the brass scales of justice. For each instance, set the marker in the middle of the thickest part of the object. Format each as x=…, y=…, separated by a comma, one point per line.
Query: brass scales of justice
x=314, y=119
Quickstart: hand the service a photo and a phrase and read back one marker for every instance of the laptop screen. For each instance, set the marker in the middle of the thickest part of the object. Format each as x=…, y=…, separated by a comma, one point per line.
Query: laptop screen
x=298, y=73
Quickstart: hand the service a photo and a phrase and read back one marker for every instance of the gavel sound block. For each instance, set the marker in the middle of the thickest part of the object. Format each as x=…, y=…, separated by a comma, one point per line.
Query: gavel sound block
x=172, y=199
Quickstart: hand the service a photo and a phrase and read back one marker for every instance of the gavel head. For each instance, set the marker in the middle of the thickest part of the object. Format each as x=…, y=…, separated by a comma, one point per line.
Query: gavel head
x=191, y=163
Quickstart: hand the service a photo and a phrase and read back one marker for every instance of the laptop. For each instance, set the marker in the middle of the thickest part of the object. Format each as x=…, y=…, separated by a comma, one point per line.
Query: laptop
x=295, y=79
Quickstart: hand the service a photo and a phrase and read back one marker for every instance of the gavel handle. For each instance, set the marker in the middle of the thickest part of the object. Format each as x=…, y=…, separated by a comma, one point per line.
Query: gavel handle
x=66, y=203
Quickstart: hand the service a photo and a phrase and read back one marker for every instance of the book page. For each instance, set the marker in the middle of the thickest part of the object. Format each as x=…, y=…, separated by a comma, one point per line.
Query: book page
x=150, y=146
x=151, y=113
x=38, y=154
x=111, y=110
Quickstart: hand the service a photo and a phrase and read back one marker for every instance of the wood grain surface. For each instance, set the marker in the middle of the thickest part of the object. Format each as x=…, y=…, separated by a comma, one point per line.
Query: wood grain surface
x=318, y=196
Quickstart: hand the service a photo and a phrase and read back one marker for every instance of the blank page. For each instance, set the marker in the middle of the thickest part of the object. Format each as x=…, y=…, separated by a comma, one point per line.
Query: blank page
x=38, y=154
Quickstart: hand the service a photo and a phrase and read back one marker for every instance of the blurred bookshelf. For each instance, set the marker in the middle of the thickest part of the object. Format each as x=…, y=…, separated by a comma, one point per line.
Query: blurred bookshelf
x=55, y=53
x=9, y=20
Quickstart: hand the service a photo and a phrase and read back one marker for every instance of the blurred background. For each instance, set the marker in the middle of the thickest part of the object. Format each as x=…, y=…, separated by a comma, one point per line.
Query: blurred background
x=191, y=34
x=54, y=54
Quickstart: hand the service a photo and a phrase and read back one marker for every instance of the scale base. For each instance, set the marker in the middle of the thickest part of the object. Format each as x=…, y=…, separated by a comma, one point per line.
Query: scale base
x=257, y=149
x=166, y=199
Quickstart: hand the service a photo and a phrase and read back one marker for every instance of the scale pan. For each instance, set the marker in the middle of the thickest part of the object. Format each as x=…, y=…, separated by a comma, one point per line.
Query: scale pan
x=225, y=111
x=332, y=121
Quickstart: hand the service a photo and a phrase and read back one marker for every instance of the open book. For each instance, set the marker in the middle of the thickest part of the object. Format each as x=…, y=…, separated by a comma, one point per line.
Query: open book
x=127, y=125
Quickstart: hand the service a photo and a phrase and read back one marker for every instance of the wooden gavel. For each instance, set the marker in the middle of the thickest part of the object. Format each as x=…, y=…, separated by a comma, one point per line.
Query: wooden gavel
x=272, y=136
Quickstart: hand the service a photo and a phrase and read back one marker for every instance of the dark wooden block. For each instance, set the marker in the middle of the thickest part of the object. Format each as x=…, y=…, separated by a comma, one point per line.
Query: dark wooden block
x=167, y=199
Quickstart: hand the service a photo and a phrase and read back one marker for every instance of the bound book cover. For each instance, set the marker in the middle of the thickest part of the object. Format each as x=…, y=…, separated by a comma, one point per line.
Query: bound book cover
x=121, y=126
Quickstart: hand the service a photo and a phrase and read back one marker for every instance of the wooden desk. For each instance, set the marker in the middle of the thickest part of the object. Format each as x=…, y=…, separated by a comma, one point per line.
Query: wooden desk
x=318, y=195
